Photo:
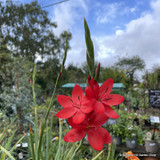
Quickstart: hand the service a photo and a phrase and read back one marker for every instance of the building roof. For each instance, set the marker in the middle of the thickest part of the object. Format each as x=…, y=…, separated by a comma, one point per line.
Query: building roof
x=83, y=85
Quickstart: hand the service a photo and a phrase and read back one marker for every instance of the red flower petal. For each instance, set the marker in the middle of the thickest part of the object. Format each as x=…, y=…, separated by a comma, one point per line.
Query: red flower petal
x=95, y=140
x=86, y=105
x=110, y=112
x=94, y=85
x=86, y=108
x=105, y=135
x=64, y=101
x=98, y=107
x=98, y=119
x=106, y=87
x=81, y=126
x=78, y=117
x=77, y=93
x=66, y=112
x=113, y=99
x=89, y=93
x=74, y=135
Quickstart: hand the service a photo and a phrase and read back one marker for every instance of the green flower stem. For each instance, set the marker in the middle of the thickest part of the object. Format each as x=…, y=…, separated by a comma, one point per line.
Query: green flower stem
x=97, y=155
x=36, y=116
x=60, y=141
x=7, y=153
x=109, y=151
x=76, y=150
x=32, y=144
x=47, y=142
x=52, y=100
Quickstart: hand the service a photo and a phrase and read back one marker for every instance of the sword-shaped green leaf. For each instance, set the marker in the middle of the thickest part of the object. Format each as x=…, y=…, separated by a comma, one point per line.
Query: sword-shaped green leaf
x=90, y=49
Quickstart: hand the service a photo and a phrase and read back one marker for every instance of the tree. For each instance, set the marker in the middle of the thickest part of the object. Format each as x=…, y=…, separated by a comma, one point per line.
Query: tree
x=75, y=74
x=16, y=97
x=131, y=65
x=152, y=79
x=116, y=74
x=28, y=32
x=5, y=58
x=46, y=74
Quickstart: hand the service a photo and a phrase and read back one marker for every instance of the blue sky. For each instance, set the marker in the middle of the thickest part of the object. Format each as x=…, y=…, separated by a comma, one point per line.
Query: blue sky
x=118, y=28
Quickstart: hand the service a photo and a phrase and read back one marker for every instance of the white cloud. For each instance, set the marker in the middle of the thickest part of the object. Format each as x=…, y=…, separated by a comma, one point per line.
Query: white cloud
x=107, y=12
x=119, y=32
x=140, y=37
x=67, y=14
x=133, y=9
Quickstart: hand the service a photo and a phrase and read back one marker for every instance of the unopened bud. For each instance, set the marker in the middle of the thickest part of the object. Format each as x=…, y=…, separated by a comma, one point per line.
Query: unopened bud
x=98, y=68
x=88, y=79
x=31, y=82
x=60, y=73
x=97, y=72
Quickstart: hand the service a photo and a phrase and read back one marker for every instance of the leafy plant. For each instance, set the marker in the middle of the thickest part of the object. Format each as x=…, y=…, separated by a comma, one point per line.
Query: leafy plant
x=133, y=132
x=7, y=147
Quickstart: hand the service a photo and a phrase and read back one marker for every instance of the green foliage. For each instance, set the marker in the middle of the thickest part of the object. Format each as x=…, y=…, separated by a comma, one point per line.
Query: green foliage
x=7, y=139
x=131, y=65
x=118, y=75
x=75, y=74
x=90, y=49
x=135, y=132
x=17, y=88
x=151, y=79
x=28, y=31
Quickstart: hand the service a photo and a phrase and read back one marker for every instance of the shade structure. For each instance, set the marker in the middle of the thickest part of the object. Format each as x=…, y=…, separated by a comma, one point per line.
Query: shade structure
x=116, y=86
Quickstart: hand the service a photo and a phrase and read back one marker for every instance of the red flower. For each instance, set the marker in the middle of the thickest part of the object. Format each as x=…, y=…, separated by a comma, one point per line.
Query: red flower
x=102, y=97
x=91, y=126
x=77, y=105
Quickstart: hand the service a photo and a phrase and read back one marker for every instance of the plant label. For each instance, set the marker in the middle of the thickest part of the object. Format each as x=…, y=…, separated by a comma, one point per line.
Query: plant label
x=24, y=145
x=152, y=144
x=154, y=119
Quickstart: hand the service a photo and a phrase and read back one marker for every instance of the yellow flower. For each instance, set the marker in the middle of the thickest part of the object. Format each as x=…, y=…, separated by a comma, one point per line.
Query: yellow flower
x=55, y=139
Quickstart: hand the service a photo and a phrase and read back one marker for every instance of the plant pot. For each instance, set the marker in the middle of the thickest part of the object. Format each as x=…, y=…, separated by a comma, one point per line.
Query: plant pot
x=112, y=121
x=131, y=143
x=151, y=146
x=117, y=140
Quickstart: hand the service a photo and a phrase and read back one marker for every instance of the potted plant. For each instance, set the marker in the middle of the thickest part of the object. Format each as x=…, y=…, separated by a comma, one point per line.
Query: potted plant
x=151, y=143
x=111, y=121
x=134, y=136
x=117, y=131
x=131, y=141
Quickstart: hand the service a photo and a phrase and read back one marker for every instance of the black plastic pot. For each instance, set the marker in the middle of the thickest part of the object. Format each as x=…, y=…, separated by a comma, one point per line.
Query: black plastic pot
x=131, y=143
x=117, y=140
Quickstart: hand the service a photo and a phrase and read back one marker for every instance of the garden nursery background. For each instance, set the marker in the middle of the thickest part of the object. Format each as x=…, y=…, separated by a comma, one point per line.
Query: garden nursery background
x=33, y=73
